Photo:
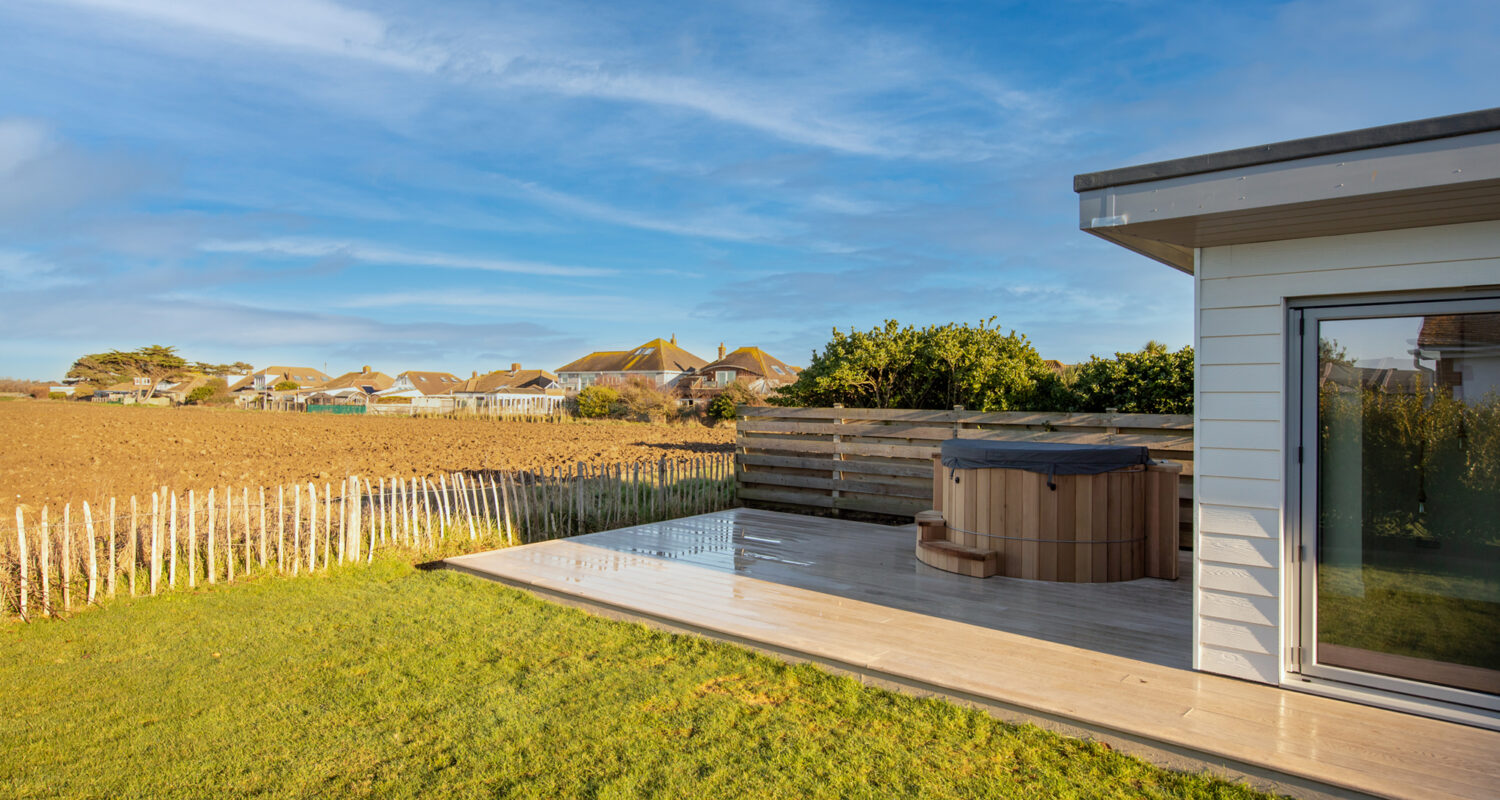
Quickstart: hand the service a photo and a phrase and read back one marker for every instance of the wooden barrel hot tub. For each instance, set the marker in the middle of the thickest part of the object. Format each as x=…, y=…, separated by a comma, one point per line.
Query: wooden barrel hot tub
x=1051, y=512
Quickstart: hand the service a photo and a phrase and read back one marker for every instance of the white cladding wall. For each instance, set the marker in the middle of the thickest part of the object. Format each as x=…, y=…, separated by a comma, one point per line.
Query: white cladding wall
x=1241, y=592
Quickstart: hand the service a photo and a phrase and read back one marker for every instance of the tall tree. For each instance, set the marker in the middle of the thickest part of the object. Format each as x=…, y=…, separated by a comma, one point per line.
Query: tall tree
x=939, y=366
x=155, y=363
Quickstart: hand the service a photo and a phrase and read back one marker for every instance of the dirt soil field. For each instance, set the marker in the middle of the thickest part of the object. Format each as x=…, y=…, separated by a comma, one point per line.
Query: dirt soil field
x=53, y=452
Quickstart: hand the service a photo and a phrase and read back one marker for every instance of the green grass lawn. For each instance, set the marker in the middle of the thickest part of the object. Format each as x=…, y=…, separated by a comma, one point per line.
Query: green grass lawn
x=384, y=681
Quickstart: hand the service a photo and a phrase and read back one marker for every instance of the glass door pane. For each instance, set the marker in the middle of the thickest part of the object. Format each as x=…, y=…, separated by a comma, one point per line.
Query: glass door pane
x=1407, y=569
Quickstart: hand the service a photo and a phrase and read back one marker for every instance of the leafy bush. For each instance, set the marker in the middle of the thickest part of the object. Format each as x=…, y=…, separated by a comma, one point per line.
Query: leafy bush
x=597, y=401
x=286, y=386
x=722, y=408
x=642, y=399
x=214, y=391
x=935, y=367
x=57, y=395
x=1153, y=380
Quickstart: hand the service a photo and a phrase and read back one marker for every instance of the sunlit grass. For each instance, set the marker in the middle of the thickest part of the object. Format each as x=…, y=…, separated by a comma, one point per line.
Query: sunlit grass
x=380, y=680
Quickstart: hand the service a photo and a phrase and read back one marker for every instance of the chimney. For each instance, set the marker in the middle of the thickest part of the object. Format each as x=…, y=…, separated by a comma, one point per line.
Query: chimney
x=365, y=368
x=721, y=351
x=515, y=367
x=474, y=374
x=674, y=338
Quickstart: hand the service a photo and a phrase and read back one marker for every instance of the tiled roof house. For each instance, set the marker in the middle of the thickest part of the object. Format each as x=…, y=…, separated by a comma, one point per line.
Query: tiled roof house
x=660, y=361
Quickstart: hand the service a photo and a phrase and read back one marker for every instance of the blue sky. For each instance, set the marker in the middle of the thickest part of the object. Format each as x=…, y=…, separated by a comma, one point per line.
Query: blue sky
x=461, y=185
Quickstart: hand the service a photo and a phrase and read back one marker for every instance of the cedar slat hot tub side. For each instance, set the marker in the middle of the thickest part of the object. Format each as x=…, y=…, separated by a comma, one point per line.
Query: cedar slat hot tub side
x=879, y=460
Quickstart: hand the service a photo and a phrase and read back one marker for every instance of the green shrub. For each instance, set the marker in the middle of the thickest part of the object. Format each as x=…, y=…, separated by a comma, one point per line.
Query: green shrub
x=200, y=395
x=57, y=395
x=597, y=401
x=722, y=408
x=286, y=386
x=1153, y=380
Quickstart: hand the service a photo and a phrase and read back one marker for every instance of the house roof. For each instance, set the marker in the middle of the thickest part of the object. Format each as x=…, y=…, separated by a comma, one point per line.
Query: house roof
x=1459, y=331
x=431, y=383
x=366, y=381
x=657, y=355
x=304, y=377
x=756, y=362
x=1328, y=144
x=1439, y=171
x=511, y=380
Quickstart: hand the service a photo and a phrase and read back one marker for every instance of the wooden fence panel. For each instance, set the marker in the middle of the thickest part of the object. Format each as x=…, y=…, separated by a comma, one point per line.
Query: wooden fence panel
x=880, y=460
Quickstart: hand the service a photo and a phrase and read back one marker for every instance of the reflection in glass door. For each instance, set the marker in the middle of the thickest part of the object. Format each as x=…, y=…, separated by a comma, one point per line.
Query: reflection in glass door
x=1401, y=579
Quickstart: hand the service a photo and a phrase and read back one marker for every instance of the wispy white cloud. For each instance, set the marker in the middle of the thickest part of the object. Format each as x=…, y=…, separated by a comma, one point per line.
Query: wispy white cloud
x=730, y=224
x=379, y=254
x=832, y=107
x=315, y=26
x=21, y=271
x=538, y=304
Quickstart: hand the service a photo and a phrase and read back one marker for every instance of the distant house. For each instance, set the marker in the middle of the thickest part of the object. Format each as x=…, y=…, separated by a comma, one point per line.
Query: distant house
x=759, y=371
x=131, y=391
x=414, y=383
x=659, y=361
x=356, y=386
x=265, y=380
x=517, y=390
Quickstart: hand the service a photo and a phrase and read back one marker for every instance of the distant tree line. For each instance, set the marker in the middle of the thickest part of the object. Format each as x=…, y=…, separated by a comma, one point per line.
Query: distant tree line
x=984, y=369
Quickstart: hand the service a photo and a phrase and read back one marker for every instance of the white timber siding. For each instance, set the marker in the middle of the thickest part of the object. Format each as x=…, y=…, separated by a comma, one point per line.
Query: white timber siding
x=1242, y=588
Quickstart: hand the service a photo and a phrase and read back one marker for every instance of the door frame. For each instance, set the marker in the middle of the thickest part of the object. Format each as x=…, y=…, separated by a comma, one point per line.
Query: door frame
x=1302, y=318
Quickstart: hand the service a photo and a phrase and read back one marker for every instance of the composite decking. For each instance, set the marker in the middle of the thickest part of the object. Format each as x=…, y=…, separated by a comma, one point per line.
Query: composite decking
x=1106, y=657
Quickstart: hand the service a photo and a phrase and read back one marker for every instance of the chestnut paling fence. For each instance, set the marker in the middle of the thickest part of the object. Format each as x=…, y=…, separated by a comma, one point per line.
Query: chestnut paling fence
x=54, y=562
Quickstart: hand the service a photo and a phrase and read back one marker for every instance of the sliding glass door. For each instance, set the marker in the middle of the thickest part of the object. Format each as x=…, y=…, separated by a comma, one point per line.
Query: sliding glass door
x=1398, y=428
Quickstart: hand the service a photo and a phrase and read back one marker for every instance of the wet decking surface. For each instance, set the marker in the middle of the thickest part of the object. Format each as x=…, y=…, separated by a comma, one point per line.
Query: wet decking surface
x=1107, y=657
x=1147, y=620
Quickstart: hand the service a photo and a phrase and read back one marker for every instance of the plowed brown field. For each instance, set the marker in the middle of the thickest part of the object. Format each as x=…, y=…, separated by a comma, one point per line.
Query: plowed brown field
x=54, y=452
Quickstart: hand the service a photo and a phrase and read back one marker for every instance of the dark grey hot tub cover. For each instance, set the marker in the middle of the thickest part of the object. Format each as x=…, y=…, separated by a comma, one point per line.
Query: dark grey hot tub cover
x=1049, y=458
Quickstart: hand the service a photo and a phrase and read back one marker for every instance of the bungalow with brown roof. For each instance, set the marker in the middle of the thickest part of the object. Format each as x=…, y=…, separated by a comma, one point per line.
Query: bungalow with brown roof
x=355, y=386
x=413, y=384
x=659, y=361
x=758, y=370
x=265, y=380
x=517, y=390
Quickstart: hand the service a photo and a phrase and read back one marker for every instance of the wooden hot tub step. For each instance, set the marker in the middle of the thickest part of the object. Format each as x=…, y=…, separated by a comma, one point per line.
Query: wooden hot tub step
x=959, y=558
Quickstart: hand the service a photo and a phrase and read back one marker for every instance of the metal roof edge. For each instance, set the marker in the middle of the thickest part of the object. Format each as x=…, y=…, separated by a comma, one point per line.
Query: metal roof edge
x=1327, y=144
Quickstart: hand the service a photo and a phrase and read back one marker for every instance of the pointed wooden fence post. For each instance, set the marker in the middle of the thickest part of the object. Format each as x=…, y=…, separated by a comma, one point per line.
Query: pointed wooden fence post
x=296, y=551
x=212, y=514
x=280, y=528
x=262, y=527
x=343, y=519
x=312, y=527
x=245, y=529
x=21, y=550
x=469, y=502
x=229, y=533
x=88, y=525
x=154, y=568
x=327, y=522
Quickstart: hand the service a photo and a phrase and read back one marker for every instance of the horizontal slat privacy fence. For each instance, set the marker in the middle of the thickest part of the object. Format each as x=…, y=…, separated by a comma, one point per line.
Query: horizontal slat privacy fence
x=880, y=460
x=56, y=561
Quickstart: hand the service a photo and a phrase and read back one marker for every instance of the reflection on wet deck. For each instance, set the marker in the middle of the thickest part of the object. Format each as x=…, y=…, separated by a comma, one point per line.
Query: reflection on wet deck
x=1147, y=620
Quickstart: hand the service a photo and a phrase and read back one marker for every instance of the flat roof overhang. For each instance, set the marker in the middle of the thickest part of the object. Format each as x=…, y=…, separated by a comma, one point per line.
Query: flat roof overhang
x=1439, y=171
